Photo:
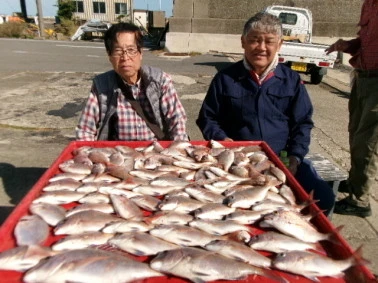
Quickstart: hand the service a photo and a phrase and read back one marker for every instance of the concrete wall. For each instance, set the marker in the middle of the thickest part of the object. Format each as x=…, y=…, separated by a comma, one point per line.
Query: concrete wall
x=217, y=19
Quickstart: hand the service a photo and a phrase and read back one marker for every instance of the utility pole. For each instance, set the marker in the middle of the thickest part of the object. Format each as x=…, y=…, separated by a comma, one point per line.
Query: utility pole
x=132, y=11
x=23, y=10
x=40, y=18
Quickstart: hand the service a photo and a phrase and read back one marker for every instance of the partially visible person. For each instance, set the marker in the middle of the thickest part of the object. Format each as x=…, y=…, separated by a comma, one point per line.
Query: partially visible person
x=259, y=99
x=363, y=114
x=110, y=112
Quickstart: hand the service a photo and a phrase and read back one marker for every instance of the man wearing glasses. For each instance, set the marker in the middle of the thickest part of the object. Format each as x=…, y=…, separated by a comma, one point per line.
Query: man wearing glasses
x=133, y=101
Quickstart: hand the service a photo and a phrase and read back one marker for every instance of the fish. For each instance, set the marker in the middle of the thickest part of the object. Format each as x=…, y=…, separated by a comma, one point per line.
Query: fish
x=31, y=230
x=276, y=242
x=204, y=195
x=61, y=176
x=218, y=227
x=89, y=266
x=179, y=204
x=102, y=207
x=212, y=211
x=50, y=213
x=84, y=221
x=247, y=198
x=312, y=265
x=126, y=208
x=169, y=181
x=80, y=241
x=182, y=235
x=226, y=159
x=95, y=197
x=59, y=197
x=199, y=265
x=64, y=184
x=169, y=217
x=22, y=258
x=288, y=194
x=239, y=251
x=141, y=244
x=77, y=168
x=293, y=224
x=125, y=226
x=155, y=190
x=244, y=216
x=146, y=202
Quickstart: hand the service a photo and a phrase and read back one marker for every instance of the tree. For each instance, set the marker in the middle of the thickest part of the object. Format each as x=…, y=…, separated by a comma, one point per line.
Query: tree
x=65, y=9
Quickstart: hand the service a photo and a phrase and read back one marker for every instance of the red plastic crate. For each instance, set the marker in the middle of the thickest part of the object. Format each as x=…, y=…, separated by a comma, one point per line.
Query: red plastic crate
x=354, y=274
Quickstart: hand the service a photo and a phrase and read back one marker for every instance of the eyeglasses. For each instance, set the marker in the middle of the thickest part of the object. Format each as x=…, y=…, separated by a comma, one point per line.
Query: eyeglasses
x=131, y=52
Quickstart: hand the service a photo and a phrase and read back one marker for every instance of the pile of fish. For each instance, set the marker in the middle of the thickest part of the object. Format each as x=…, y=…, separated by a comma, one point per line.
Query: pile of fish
x=203, y=213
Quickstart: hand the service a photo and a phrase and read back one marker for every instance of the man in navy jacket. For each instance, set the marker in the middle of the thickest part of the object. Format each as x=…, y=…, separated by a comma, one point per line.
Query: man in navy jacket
x=259, y=99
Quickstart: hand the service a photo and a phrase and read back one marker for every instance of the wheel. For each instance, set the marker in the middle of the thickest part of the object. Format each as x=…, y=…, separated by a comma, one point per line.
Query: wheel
x=316, y=77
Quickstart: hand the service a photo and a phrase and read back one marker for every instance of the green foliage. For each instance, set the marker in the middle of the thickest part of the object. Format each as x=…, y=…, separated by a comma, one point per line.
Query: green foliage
x=66, y=8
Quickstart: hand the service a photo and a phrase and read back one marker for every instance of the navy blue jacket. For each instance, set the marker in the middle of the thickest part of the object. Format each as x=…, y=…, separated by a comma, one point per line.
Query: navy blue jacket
x=278, y=112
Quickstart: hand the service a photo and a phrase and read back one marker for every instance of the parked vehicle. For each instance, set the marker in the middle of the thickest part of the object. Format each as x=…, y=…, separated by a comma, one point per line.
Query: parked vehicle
x=298, y=52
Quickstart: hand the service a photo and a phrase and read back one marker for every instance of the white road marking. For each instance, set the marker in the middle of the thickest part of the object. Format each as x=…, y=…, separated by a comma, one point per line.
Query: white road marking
x=12, y=76
x=82, y=46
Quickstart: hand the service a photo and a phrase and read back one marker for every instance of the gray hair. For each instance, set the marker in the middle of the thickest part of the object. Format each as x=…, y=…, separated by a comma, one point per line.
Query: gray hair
x=263, y=22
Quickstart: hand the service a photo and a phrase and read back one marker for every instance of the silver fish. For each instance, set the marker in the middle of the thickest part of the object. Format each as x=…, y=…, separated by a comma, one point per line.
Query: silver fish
x=64, y=184
x=183, y=235
x=179, y=204
x=23, y=258
x=293, y=224
x=146, y=202
x=225, y=159
x=244, y=216
x=95, y=197
x=168, y=218
x=102, y=207
x=62, y=176
x=125, y=226
x=84, y=221
x=59, y=197
x=213, y=211
x=141, y=244
x=126, y=208
x=199, y=265
x=89, y=265
x=78, y=168
x=218, y=227
x=31, y=230
x=239, y=251
x=247, y=198
x=312, y=265
x=276, y=242
x=81, y=241
x=204, y=195
x=52, y=214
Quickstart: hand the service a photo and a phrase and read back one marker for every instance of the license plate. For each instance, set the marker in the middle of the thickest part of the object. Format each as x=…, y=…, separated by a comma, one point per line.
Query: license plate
x=299, y=67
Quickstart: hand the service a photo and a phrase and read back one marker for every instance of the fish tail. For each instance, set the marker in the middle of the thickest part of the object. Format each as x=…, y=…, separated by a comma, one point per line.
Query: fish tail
x=358, y=258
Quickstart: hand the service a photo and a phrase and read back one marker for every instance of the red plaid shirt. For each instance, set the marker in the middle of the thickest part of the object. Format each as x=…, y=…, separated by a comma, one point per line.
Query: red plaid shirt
x=131, y=127
x=364, y=48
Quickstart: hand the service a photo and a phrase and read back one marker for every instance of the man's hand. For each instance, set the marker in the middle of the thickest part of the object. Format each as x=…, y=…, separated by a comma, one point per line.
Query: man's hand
x=339, y=45
x=293, y=164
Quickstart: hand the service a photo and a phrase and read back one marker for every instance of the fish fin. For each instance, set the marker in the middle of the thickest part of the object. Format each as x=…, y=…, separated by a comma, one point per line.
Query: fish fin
x=358, y=258
x=333, y=236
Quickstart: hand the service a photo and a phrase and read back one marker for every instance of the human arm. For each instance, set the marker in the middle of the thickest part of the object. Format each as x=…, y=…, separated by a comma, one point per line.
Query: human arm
x=346, y=46
x=174, y=112
x=210, y=113
x=86, y=129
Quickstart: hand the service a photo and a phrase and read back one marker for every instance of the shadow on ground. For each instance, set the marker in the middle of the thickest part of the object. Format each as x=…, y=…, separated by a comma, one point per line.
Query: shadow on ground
x=217, y=65
x=17, y=183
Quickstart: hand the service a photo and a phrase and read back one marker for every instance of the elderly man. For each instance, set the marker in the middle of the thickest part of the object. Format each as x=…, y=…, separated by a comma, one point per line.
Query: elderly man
x=131, y=102
x=259, y=99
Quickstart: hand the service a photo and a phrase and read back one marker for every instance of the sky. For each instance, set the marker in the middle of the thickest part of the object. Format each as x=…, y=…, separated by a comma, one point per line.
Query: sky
x=49, y=9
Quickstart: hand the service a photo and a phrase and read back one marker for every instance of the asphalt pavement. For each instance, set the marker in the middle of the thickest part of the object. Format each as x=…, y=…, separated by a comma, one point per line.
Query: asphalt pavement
x=46, y=138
